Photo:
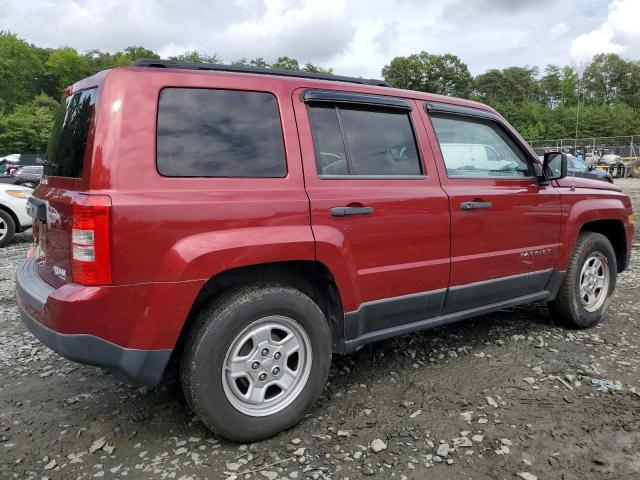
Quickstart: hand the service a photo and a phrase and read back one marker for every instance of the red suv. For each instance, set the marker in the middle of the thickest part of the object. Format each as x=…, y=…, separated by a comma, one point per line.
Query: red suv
x=252, y=222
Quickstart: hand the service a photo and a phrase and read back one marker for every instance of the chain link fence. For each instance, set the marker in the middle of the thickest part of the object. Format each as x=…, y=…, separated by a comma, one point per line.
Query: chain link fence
x=627, y=147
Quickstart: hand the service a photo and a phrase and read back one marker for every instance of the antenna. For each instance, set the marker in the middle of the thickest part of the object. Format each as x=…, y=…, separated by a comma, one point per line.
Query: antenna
x=575, y=140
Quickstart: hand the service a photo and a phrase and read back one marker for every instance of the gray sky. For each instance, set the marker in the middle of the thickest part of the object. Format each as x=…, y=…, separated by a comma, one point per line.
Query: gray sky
x=354, y=37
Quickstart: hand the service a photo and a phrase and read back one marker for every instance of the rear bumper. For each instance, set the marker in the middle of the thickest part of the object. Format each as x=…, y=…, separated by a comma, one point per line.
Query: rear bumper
x=139, y=366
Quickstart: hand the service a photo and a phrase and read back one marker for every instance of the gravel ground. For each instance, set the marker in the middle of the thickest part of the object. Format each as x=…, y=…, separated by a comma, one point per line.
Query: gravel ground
x=505, y=396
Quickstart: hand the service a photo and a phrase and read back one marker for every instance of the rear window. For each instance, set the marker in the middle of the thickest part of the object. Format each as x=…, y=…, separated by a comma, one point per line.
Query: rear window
x=68, y=142
x=219, y=133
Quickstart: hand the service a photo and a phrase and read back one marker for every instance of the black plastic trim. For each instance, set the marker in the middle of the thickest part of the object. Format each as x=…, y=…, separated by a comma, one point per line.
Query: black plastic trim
x=393, y=312
x=330, y=96
x=159, y=63
x=373, y=177
x=30, y=286
x=477, y=294
x=141, y=367
x=348, y=346
x=457, y=110
x=390, y=317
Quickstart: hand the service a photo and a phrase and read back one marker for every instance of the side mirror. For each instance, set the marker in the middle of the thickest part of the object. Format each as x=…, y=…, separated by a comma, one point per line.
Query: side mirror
x=554, y=165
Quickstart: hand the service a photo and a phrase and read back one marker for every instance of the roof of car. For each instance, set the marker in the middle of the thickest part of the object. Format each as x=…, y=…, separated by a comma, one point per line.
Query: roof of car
x=157, y=63
x=303, y=79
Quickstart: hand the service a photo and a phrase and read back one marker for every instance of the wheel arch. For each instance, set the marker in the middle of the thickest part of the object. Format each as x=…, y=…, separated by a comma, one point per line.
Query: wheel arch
x=615, y=233
x=311, y=277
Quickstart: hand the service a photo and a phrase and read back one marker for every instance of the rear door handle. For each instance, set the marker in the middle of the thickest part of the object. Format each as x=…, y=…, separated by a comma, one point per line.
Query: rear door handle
x=345, y=211
x=475, y=205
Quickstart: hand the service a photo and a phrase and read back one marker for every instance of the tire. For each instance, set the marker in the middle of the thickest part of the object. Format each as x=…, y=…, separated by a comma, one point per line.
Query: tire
x=276, y=317
x=7, y=228
x=633, y=169
x=576, y=308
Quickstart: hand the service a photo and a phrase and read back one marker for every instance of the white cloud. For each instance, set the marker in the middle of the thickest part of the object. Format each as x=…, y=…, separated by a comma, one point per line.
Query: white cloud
x=619, y=33
x=355, y=37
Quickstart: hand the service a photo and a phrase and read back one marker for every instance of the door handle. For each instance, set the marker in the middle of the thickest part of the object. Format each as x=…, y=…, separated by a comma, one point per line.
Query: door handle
x=345, y=211
x=475, y=205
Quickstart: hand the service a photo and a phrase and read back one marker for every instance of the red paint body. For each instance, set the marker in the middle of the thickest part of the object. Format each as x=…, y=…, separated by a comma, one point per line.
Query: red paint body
x=169, y=236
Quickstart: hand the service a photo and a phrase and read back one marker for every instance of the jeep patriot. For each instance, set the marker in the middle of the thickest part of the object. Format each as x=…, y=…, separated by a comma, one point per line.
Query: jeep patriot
x=250, y=223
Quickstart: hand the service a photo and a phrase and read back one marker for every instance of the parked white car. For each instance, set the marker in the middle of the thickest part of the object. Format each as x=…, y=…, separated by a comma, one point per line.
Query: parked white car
x=13, y=211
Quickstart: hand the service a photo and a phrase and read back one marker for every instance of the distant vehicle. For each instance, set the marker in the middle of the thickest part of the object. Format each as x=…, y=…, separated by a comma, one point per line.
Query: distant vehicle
x=13, y=211
x=610, y=159
x=611, y=163
x=29, y=175
x=9, y=164
x=580, y=168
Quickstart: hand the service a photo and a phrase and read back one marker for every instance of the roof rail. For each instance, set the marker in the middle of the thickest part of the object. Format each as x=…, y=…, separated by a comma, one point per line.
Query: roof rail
x=157, y=63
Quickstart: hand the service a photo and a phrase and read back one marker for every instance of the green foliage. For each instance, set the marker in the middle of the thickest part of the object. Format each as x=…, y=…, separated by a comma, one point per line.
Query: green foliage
x=99, y=60
x=311, y=68
x=67, y=66
x=20, y=71
x=27, y=127
x=511, y=85
x=538, y=105
x=443, y=74
x=283, y=63
x=195, y=56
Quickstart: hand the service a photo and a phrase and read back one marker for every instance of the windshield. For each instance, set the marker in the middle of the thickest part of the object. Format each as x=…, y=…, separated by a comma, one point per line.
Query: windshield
x=68, y=142
x=580, y=165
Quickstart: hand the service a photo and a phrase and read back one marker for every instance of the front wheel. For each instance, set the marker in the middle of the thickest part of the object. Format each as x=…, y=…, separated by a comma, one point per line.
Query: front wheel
x=256, y=360
x=589, y=282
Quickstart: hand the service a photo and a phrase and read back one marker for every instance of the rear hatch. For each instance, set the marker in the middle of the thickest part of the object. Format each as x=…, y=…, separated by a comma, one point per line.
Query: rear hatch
x=66, y=173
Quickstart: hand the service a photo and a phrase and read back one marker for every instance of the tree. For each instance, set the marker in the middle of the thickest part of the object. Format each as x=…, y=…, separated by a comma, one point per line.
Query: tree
x=286, y=63
x=20, y=71
x=605, y=79
x=442, y=74
x=258, y=62
x=67, y=66
x=27, y=128
x=490, y=87
x=311, y=68
x=133, y=53
x=195, y=56
x=569, y=85
x=551, y=86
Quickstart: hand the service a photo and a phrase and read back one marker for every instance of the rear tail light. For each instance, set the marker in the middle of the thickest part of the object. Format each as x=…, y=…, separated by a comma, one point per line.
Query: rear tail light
x=90, y=240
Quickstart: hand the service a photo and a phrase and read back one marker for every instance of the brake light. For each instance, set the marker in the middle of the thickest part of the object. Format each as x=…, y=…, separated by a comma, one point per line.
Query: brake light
x=90, y=240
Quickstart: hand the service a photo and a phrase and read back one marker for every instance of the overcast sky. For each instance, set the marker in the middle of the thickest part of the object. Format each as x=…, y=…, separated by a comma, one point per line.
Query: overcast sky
x=354, y=37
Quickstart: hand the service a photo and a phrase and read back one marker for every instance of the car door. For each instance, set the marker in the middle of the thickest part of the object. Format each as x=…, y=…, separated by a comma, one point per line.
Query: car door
x=378, y=214
x=505, y=225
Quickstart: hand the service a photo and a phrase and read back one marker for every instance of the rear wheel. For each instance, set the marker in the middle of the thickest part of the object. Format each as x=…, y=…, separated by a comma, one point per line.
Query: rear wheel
x=7, y=228
x=589, y=282
x=256, y=360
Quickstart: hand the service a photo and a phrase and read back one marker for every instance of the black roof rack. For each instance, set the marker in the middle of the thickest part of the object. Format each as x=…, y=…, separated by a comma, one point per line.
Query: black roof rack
x=156, y=63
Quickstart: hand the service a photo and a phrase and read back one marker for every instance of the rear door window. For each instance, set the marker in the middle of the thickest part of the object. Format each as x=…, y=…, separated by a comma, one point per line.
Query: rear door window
x=363, y=141
x=219, y=133
x=69, y=136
